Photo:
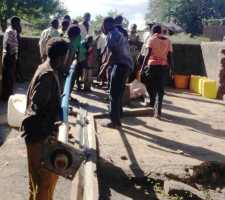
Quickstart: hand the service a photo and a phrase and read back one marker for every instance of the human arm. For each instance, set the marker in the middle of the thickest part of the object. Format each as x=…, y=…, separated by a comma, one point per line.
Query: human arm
x=105, y=63
x=146, y=58
x=147, y=49
x=41, y=92
x=42, y=45
x=170, y=59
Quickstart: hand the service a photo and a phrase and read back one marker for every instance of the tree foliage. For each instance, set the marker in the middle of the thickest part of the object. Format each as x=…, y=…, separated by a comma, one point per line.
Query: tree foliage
x=36, y=11
x=98, y=20
x=188, y=13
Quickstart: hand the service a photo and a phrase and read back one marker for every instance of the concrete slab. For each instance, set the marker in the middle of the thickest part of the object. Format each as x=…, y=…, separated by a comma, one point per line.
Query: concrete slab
x=192, y=131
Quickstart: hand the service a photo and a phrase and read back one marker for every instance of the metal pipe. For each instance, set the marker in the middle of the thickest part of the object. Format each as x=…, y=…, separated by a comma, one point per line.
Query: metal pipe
x=64, y=127
x=63, y=132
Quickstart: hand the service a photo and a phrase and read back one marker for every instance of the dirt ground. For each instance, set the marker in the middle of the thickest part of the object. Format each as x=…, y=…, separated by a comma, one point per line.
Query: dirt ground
x=192, y=131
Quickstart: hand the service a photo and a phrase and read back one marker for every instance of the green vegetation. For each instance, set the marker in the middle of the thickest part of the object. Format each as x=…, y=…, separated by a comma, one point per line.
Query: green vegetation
x=37, y=12
x=216, y=22
x=187, y=13
x=98, y=20
x=188, y=39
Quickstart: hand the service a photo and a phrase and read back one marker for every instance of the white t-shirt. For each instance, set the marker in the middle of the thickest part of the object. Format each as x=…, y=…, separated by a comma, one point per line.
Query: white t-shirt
x=45, y=36
x=84, y=32
x=101, y=44
x=144, y=49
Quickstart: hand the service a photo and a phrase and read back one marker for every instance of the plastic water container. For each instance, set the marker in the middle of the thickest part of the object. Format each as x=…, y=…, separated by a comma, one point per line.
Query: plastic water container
x=181, y=81
x=194, y=83
x=200, y=84
x=16, y=110
x=209, y=89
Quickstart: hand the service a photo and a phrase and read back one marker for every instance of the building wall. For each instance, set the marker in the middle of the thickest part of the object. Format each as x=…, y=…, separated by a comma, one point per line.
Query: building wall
x=214, y=32
x=188, y=59
x=211, y=54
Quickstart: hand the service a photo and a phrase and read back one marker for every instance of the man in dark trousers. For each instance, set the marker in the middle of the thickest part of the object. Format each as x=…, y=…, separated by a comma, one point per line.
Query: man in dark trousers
x=120, y=60
x=42, y=112
x=10, y=57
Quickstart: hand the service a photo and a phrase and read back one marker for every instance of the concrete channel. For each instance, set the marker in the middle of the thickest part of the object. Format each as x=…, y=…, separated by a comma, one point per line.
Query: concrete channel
x=89, y=182
x=103, y=177
x=85, y=183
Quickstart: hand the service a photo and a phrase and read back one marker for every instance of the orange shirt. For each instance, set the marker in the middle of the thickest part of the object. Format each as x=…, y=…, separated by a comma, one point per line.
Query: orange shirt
x=160, y=47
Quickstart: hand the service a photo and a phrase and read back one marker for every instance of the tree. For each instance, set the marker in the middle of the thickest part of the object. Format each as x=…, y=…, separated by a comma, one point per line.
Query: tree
x=191, y=13
x=114, y=13
x=187, y=13
x=79, y=18
x=161, y=10
x=97, y=22
x=32, y=10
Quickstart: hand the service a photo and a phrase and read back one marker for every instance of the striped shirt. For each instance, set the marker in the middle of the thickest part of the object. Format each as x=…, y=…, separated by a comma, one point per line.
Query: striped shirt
x=45, y=36
x=10, y=42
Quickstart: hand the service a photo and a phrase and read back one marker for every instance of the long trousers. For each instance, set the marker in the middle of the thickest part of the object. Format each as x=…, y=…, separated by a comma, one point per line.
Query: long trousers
x=77, y=75
x=109, y=70
x=117, y=86
x=41, y=181
x=87, y=72
x=155, y=84
x=8, y=76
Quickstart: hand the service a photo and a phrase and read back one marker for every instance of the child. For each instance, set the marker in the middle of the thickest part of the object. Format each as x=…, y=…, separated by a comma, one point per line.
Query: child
x=90, y=61
x=74, y=45
x=84, y=52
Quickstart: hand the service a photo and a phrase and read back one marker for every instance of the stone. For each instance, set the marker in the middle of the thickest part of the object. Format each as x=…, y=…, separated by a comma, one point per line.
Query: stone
x=173, y=188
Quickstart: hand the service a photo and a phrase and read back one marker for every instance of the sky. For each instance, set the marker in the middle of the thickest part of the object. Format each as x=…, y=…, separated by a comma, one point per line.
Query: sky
x=133, y=10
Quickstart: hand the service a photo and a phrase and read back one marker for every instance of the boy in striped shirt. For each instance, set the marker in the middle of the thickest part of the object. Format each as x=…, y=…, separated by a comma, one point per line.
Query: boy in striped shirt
x=10, y=57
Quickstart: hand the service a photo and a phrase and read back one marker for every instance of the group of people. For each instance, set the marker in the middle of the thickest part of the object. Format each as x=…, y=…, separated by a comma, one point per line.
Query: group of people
x=58, y=49
x=80, y=37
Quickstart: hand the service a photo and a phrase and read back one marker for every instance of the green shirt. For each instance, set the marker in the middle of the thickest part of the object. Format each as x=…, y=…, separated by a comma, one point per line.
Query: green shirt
x=77, y=43
x=83, y=52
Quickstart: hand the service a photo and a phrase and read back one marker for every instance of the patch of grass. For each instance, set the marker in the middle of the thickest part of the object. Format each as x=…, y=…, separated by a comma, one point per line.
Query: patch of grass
x=187, y=39
x=207, y=195
x=33, y=32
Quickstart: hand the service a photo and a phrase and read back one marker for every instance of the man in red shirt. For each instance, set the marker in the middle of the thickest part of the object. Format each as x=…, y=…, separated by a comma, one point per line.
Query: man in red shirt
x=159, y=61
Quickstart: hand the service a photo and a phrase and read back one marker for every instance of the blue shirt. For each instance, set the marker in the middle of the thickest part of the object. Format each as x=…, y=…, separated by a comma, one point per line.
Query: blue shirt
x=119, y=47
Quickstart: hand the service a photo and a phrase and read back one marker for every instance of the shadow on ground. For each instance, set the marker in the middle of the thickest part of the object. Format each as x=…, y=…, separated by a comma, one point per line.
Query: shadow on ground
x=113, y=180
x=4, y=128
x=195, y=125
x=197, y=152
